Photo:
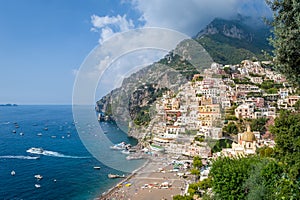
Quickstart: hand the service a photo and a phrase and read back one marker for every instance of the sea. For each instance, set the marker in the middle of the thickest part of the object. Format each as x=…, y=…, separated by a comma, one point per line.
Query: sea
x=65, y=163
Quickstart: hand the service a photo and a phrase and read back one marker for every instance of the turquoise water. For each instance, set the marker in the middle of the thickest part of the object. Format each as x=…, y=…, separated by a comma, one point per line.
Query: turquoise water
x=66, y=165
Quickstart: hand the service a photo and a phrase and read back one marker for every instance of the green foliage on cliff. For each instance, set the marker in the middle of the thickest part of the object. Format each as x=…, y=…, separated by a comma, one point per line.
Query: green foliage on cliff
x=141, y=101
x=180, y=65
x=224, y=53
x=246, y=41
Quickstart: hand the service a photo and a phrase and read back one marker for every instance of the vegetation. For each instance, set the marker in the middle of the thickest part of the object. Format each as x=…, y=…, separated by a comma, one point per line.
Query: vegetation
x=199, y=138
x=259, y=124
x=244, y=80
x=182, y=66
x=287, y=149
x=272, y=174
x=140, y=111
x=286, y=39
x=220, y=144
x=230, y=128
x=230, y=50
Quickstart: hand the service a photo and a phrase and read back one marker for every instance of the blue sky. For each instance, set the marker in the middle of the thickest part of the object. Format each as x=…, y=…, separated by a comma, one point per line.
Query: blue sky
x=44, y=42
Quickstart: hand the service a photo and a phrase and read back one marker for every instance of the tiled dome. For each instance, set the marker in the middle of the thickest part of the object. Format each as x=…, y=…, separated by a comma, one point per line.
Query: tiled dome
x=248, y=136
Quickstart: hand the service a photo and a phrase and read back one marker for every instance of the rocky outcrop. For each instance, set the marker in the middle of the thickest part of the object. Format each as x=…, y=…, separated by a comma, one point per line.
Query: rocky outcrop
x=131, y=103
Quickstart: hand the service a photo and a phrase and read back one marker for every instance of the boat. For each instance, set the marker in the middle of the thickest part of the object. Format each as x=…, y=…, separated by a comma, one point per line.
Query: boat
x=135, y=157
x=39, y=134
x=115, y=176
x=21, y=134
x=46, y=129
x=97, y=167
x=14, y=131
x=37, y=185
x=125, y=152
x=120, y=146
x=156, y=148
x=35, y=150
x=38, y=176
x=13, y=173
x=128, y=151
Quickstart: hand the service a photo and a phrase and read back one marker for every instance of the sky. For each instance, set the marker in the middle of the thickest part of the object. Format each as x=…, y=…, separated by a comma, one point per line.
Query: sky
x=43, y=43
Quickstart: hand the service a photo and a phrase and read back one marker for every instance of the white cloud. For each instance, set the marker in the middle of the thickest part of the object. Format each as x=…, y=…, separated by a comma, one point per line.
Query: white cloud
x=190, y=16
x=108, y=25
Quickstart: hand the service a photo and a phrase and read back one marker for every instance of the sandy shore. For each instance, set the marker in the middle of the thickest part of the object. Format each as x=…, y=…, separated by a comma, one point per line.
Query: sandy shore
x=152, y=174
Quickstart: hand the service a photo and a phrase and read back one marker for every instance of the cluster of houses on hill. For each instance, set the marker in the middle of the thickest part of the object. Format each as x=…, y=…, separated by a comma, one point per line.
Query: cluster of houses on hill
x=188, y=121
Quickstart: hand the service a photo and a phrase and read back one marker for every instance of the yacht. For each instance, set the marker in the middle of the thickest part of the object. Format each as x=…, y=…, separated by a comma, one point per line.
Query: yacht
x=97, y=167
x=35, y=150
x=37, y=185
x=13, y=173
x=115, y=176
x=38, y=176
x=120, y=146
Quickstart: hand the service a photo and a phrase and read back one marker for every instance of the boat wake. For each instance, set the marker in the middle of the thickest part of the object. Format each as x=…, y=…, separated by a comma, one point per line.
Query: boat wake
x=20, y=157
x=40, y=151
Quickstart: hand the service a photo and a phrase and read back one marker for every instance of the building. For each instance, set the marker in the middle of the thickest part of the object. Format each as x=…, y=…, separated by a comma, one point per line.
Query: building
x=245, y=110
x=246, y=144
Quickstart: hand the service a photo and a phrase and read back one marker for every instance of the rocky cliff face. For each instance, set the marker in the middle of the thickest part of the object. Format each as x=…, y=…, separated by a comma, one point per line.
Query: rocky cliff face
x=131, y=103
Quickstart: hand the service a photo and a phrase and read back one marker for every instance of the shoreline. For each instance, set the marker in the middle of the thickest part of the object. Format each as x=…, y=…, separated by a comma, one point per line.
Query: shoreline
x=110, y=191
x=156, y=179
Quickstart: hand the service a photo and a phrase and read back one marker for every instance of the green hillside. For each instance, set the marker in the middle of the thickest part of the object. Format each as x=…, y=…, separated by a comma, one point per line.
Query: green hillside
x=231, y=41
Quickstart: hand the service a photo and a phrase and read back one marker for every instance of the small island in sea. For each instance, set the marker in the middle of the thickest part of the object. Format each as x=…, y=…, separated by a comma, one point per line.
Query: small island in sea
x=8, y=104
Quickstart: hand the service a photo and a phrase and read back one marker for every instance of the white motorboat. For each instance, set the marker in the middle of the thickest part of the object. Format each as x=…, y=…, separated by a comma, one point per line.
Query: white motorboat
x=38, y=176
x=120, y=146
x=97, y=167
x=37, y=185
x=13, y=173
x=35, y=150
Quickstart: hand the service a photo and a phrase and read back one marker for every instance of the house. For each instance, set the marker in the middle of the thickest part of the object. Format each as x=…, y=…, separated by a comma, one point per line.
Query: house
x=245, y=110
x=256, y=80
x=292, y=100
x=283, y=93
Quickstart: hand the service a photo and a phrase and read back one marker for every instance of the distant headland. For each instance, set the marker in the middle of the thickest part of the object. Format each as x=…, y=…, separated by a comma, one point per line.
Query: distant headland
x=8, y=104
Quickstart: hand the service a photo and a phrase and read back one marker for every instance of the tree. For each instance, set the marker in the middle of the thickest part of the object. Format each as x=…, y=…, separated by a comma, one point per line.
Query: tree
x=179, y=197
x=229, y=175
x=287, y=137
x=231, y=128
x=197, y=162
x=259, y=124
x=286, y=39
x=297, y=106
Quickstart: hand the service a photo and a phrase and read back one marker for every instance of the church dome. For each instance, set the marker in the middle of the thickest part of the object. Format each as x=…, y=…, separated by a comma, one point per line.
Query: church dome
x=248, y=136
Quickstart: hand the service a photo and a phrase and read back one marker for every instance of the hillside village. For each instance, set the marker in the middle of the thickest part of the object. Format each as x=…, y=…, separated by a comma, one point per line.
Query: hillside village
x=221, y=103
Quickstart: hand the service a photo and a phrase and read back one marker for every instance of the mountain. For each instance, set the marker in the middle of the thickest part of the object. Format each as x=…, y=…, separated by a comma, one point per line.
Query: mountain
x=231, y=41
x=225, y=42
x=132, y=102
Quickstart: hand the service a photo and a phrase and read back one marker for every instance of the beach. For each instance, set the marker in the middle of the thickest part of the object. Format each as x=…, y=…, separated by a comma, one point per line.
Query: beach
x=154, y=180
